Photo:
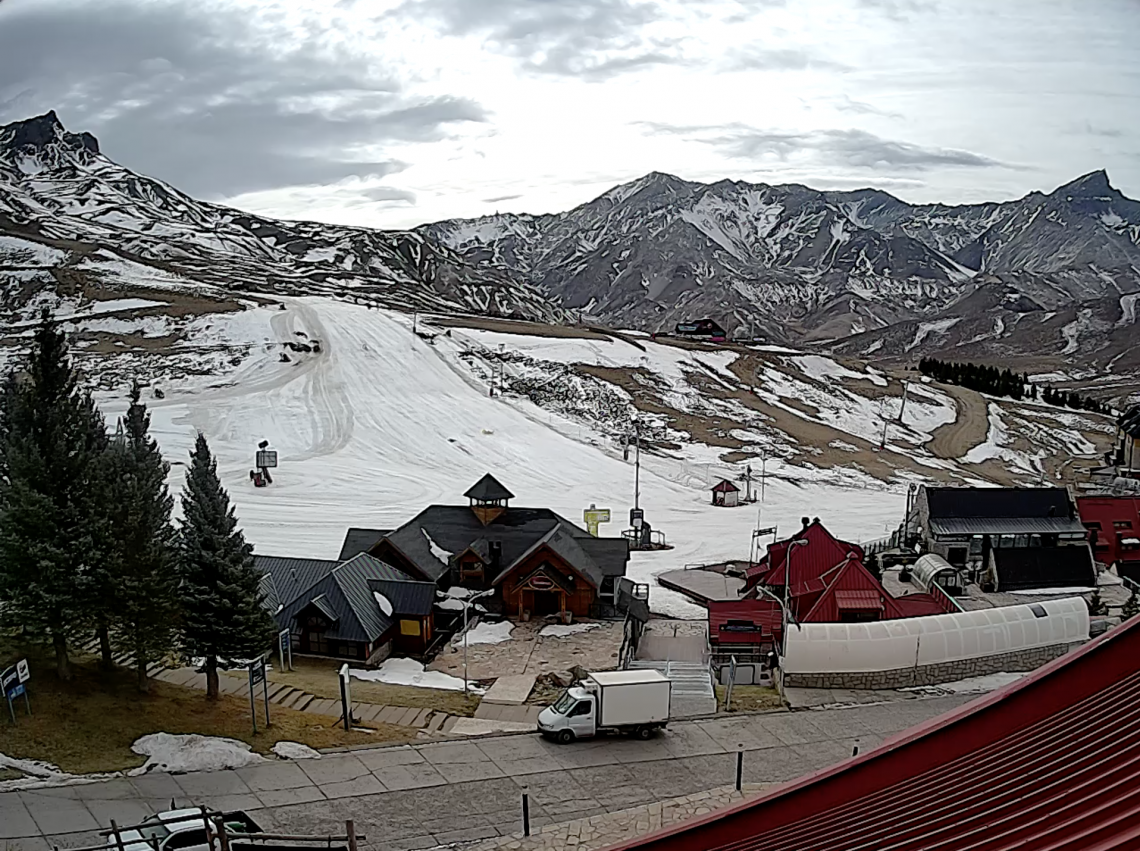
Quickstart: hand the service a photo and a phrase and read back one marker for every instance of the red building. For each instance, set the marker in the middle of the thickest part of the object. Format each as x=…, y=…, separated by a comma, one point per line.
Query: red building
x=1114, y=531
x=1049, y=762
x=828, y=584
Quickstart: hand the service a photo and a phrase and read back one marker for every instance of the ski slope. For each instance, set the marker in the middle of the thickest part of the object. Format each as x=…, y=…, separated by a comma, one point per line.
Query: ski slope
x=381, y=423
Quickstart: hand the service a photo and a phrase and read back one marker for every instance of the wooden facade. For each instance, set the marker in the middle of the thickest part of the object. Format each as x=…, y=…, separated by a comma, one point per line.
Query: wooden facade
x=544, y=584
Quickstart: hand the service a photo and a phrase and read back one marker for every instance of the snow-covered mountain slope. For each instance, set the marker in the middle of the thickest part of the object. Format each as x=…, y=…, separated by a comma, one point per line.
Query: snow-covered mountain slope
x=792, y=263
x=89, y=216
x=375, y=422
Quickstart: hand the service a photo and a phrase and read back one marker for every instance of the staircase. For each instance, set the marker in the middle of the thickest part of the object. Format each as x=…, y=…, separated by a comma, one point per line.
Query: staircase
x=692, y=691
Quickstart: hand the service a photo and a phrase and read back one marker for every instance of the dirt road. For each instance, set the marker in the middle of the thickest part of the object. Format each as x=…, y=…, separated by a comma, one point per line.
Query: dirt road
x=955, y=439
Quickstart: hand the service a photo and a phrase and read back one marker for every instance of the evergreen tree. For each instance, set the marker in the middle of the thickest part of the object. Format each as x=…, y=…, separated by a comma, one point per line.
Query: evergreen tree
x=222, y=616
x=52, y=440
x=145, y=585
x=1131, y=606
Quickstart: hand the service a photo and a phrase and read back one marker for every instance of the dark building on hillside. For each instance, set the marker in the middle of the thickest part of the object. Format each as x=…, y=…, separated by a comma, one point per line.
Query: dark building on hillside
x=538, y=562
x=966, y=525
x=702, y=328
x=360, y=609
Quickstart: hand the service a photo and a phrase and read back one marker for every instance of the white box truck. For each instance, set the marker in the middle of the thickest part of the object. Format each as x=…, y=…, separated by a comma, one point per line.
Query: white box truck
x=633, y=702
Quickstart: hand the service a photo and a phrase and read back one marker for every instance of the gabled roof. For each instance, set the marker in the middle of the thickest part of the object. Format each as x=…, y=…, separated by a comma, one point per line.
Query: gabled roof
x=1019, y=568
x=439, y=532
x=358, y=541
x=822, y=553
x=1049, y=761
x=283, y=579
x=345, y=596
x=725, y=486
x=488, y=489
x=994, y=503
x=407, y=596
x=567, y=548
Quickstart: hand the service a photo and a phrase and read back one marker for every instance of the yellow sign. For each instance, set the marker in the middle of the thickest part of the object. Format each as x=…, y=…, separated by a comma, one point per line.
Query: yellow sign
x=593, y=517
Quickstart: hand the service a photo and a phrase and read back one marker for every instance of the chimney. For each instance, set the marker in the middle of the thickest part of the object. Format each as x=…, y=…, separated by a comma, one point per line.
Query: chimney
x=815, y=520
x=805, y=521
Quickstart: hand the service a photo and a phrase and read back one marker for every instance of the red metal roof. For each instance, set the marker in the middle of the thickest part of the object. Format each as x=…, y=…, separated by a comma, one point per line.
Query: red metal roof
x=918, y=605
x=725, y=486
x=727, y=617
x=1049, y=762
x=858, y=601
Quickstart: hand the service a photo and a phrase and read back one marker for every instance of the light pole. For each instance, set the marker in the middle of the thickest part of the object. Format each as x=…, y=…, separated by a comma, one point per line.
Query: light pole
x=798, y=542
x=467, y=605
x=637, y=462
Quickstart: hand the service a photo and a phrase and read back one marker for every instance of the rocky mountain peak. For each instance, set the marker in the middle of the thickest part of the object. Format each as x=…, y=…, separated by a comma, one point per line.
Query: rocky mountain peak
x=1093, y=184
x=35, y=135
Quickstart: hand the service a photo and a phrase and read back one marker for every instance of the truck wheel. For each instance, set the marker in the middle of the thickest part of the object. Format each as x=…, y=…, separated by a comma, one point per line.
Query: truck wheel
x=564, y=737
x=644, y=733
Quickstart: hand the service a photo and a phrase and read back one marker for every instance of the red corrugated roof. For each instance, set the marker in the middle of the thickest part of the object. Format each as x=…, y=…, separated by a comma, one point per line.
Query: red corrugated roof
x=1049, y=762
x=918, y=605
x=725, y=486
x=859, y=601
x=764, y=614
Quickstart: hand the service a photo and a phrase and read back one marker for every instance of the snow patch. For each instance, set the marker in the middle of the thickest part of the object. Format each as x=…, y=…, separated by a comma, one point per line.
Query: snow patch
x=561, y=630
x=925, y=329
x=295, y=750
x=408, y=672
x=174, y=753
x=972, y=685
x=383, y=602
x=437, y=551
x=485, y=633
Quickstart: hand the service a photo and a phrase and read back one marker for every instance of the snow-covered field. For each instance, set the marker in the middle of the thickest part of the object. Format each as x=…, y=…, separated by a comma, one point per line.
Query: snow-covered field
x=382, y=423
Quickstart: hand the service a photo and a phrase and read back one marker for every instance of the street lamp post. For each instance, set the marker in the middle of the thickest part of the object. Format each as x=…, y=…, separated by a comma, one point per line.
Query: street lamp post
x=637, y=462
x=798, y=542
x=467, y=605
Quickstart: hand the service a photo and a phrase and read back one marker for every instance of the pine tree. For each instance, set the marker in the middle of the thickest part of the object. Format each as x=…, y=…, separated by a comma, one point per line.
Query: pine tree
x=144, y=581
x=1131, y=606
x=222, y=615
x=52, y=440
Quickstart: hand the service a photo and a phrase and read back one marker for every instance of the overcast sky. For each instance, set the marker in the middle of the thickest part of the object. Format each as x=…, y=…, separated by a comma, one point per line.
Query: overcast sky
x=389, y=113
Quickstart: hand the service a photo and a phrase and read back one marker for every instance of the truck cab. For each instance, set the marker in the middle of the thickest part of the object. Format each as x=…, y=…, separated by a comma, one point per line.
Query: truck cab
x=634, y=702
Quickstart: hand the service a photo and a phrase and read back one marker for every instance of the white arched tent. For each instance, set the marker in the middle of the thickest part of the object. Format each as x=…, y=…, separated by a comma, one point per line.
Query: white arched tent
x=824, y=648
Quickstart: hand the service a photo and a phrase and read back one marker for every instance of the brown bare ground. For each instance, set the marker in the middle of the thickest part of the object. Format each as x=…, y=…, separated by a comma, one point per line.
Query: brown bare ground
x=955, y=439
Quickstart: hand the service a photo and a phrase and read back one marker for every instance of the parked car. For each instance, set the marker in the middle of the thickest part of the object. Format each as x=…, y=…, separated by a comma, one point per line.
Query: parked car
x=632, y=702
x=179, y=830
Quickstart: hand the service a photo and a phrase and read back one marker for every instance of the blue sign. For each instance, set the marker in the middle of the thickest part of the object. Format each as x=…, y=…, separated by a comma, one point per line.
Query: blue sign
x=17, y=691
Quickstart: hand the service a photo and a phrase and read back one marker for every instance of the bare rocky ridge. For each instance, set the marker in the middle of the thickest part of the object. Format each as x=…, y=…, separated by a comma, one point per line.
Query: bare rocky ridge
x=58, y=191
x=861, y=270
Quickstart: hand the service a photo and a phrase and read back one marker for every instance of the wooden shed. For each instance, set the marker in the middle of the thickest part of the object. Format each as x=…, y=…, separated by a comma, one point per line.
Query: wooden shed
x=725, y=493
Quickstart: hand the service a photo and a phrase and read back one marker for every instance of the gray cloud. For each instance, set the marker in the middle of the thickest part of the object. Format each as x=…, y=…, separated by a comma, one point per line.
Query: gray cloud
x=213, y=99
x=758, y=58
x=846, y=104
x=498, y=198
x=899, y=10
x=586, y=38
x=855, y=149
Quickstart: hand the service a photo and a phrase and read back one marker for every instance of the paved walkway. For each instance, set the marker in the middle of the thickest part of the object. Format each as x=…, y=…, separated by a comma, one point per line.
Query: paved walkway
x=420, y=796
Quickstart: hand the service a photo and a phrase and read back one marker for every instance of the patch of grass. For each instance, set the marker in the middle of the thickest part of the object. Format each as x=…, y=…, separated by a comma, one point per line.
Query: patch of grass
x=750, y=698
x=319, y=677
x=89, y=724
x=9, y=774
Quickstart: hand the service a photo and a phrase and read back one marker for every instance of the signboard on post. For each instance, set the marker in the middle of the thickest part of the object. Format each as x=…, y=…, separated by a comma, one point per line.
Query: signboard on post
x=257, y=675
x=22, y=670
x=12, y=681
x=266, y=458
x=636, y=517
x=285, y=649
x=595, y=516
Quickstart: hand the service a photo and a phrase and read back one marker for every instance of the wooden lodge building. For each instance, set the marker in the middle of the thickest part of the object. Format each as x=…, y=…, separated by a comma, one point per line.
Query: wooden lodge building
x=378, y=597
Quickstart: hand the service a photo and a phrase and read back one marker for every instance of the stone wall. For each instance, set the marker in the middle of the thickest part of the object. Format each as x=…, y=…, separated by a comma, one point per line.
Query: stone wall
x=928, y=675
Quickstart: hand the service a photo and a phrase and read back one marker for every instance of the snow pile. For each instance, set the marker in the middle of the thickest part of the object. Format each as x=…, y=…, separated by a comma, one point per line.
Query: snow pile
x=561, y=630
x=822, y=369
x=436, y=550
x=295, y=750
x=485, y=633
x=383, y=602
x=452, y=600
x=172, y=753
x=972, y=685
x=408, y=672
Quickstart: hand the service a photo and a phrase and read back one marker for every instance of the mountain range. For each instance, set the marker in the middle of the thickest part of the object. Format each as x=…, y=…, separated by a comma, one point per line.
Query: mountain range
x=57, y=189
x=860, y=273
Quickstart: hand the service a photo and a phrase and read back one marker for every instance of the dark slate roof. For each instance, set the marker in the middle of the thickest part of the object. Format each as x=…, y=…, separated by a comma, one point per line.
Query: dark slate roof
x=358, y=541
x=455, y=528
x=611, y=555
x=407, y=597
x=488, y=489
x=1019, y=568
x=999, y=502
x=1006, y=525
x=268, y=591
x=289, y=577
x=1130, y=422
x=345, y=595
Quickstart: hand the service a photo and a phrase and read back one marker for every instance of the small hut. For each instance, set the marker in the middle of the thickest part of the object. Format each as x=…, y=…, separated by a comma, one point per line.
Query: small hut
x=725, y=493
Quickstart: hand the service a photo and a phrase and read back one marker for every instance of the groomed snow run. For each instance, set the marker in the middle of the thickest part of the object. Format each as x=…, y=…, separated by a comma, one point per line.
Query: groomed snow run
x=485, y=633
x=173, y=754
x=561, y=630
x=409, y=672
x=382, y=413
x=295, y=750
